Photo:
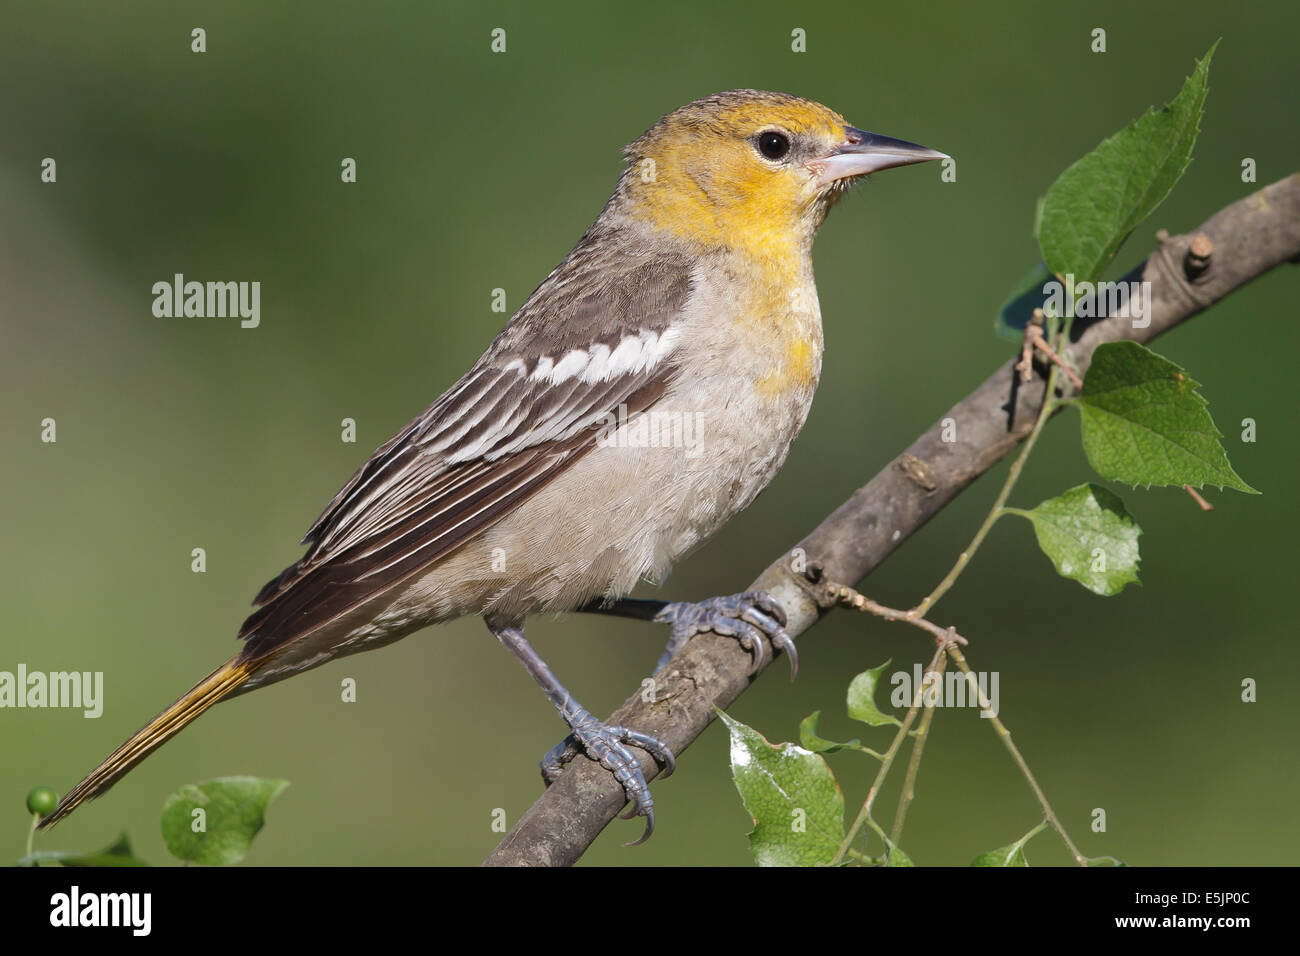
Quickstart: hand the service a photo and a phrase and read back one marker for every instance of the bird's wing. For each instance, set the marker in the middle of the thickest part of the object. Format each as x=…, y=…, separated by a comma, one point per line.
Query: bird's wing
x=531, y=406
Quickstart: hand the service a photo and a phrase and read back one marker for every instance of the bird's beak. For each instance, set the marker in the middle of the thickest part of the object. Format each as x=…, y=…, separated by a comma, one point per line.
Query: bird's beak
x=863, y=152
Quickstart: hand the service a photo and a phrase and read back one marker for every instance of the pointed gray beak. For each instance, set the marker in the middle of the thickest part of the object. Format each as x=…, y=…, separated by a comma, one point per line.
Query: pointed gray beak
x=863, y=152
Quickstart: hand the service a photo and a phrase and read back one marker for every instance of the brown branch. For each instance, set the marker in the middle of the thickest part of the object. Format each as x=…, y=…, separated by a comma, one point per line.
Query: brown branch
x=1247, y=239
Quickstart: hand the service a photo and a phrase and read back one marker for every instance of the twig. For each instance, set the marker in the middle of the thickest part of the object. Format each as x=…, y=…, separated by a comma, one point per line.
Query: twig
x=1040, y=343
x=1045, y=411
x=864, y=815
x=908, y=793
x=1205, y=505
x=1048, y=813
x=848, y=597
x=1026, y=364
x=1034, y=339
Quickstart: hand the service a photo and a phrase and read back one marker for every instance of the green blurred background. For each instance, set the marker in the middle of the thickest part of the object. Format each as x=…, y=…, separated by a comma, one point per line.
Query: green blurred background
x=479, y=171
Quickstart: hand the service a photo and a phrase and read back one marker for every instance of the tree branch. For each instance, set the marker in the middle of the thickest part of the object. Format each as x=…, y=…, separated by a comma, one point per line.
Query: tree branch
x=1246, y=239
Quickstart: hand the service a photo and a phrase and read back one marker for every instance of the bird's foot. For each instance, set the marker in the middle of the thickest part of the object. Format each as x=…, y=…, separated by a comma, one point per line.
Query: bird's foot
x=607, y=745
x=746, y=617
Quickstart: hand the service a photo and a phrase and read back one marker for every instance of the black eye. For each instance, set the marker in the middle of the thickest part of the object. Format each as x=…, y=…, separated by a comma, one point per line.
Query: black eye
x=773, y=145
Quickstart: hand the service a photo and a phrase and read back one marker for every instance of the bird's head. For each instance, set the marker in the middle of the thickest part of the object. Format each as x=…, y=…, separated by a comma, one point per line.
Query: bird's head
x=752, y=170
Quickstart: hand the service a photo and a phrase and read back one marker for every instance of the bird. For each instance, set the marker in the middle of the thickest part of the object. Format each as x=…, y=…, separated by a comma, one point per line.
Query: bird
x=644, y=394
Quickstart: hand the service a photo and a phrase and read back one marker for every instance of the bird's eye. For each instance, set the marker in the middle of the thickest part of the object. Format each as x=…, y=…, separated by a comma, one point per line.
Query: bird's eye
x=773, y=145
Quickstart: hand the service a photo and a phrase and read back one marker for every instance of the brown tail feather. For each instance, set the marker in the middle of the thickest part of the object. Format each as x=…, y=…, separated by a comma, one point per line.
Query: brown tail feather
x=215, y=687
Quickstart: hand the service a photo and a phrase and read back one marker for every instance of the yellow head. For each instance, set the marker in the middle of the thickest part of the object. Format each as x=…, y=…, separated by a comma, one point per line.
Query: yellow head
x=752, y=170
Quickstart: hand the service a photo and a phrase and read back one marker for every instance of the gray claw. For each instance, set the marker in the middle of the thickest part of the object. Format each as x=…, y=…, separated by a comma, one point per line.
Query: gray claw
x=652, y=745
x=649, y=827
x=746, y=617
x=553, y=760
x=784, y=642
x=768, y=603
x=606, y=745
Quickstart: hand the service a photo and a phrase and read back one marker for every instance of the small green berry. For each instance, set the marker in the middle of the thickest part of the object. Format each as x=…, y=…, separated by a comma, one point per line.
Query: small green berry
x=41, y=801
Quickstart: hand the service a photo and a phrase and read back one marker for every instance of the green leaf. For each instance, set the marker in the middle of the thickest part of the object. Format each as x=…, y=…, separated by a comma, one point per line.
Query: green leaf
x=820, y=745
x=234, y=810
x=1089, y=536
x=1014, y=316
x=119, y=854
x=861, y=699
x=1105, y=861
x=1144, y=423
x=1012, y=855
x=898, y=858
x=792, y=796
x=1093, y=206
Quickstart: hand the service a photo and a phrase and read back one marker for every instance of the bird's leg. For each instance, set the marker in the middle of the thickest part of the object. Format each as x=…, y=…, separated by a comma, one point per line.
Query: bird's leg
x=601, y=742
x=746, y=617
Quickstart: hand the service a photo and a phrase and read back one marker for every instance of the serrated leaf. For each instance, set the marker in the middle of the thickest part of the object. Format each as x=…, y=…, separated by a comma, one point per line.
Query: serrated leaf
x=809, y=739
x=1093, y=206
x=1014, y=316
x=118, y=854
x=862, y=698
x=234, y=811
x=1012, y=855
x=1089, y=537
x=792, y=796
x=1145, y=423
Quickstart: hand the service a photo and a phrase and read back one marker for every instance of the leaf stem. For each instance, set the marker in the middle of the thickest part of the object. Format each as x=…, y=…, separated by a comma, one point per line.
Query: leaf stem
x=1049, y=406
x=864, y=815
x=1049, y=815
x=1031, y=834
x=914, y=763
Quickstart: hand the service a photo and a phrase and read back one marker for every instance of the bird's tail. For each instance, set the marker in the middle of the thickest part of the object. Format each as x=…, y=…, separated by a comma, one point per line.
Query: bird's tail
x=217, y=686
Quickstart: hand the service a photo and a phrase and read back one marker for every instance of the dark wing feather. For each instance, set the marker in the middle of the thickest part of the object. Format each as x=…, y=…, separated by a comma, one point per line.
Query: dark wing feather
x=488, y=444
